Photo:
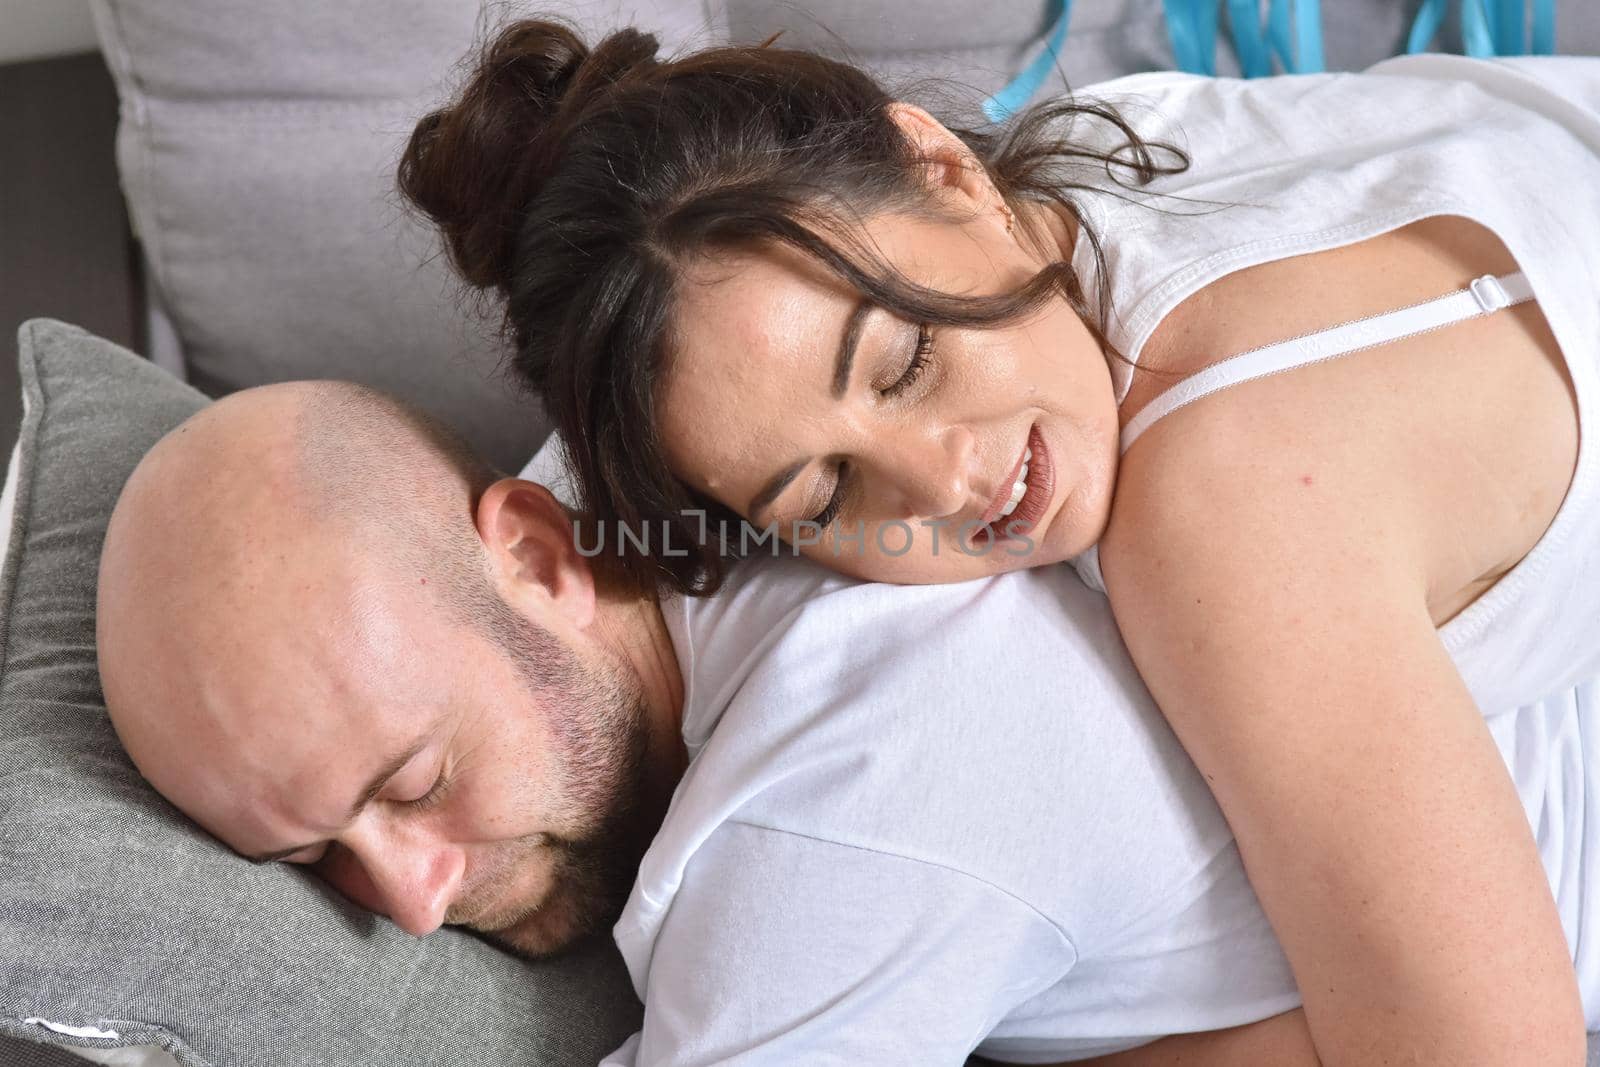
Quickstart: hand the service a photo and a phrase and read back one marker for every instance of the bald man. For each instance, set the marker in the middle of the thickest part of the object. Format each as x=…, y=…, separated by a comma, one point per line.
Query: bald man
x=905, y=822
x=320, y=617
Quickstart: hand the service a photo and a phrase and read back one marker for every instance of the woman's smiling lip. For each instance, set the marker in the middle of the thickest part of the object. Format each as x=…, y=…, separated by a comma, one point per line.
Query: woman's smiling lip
x=1035, y=501
x=1002, y=492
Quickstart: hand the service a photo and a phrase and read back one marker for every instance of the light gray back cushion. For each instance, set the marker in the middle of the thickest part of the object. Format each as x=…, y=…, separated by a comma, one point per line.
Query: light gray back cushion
x=258, y=145
x=257, y=148
x=115, y=911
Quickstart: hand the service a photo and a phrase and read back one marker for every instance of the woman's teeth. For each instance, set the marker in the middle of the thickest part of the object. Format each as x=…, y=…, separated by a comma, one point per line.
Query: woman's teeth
x=1019, y=489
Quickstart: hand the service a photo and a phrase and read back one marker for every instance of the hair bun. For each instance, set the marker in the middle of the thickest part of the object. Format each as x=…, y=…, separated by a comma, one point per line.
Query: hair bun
x=473, y=165
x=622, y=53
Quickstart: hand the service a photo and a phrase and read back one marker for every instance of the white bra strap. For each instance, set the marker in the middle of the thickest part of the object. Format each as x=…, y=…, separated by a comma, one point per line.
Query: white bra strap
x=1484, y=296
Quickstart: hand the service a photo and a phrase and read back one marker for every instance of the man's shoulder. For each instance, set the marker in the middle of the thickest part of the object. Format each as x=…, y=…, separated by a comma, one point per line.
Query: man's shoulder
x=790, y=624
x=787, y=639
x=992, y=731
x=881, y=716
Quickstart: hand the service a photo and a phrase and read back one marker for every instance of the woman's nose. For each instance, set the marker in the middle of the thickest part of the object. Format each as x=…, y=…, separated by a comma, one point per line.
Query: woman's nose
x=935, y=474
x=412, y=878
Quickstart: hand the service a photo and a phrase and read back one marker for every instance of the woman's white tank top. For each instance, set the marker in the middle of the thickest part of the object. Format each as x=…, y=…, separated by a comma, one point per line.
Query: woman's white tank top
x=1314, y=162
x=1307, y=163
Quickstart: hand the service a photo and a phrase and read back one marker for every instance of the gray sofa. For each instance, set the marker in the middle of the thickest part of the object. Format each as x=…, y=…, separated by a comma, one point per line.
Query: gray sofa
x=258, y=143
x=257, y=147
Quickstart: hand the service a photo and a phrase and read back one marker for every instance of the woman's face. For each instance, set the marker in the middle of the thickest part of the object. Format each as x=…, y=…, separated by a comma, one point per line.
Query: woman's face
x=789, y=400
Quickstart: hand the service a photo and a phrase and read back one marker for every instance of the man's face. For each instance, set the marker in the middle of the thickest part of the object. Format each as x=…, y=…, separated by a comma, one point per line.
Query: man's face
x=488, y=775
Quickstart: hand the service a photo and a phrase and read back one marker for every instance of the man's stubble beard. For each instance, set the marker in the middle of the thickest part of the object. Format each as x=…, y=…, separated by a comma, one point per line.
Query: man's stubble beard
x=596, y=719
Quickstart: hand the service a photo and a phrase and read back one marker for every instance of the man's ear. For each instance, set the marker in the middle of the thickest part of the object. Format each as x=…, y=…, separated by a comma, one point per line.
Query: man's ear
x=536, y=563
x=949, y=165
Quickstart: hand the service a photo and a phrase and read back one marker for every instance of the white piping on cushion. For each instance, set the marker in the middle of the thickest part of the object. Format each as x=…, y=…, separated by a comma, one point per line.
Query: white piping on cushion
x=126, y=1056
x=8, y=497
x=74, y=1031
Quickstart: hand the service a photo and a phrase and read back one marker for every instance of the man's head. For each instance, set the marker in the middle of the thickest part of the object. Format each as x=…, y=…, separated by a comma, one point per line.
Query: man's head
x=330, y=635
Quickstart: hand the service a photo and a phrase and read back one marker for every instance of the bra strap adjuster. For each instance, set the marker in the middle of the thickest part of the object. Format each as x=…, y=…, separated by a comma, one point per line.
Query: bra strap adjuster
x=1489, y=293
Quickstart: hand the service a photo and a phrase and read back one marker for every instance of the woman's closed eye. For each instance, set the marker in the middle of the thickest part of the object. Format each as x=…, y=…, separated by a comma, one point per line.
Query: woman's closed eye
x=830, y=511
x=907, y=373
x=910, y=368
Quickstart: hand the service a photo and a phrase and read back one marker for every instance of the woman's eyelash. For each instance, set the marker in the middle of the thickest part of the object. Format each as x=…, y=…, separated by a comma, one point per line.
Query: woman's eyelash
x=825, y=517
x=914, y=369
x=441, y=785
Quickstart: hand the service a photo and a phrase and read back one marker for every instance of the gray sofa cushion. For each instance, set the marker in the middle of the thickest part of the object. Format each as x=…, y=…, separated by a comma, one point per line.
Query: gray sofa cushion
x=115, y=911
x=258, y=143
x=257, y=149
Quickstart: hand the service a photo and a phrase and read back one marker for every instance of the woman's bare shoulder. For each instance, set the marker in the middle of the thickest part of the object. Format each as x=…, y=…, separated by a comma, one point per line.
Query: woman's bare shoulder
x=1280, y=478
x=1400, y=448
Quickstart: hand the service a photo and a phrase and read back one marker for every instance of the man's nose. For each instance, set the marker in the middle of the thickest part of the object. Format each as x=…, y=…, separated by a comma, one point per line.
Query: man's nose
x=411, y=877
x=934, y=474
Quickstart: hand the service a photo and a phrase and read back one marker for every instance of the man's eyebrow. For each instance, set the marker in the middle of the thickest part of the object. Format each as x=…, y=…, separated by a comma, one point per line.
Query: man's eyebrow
x=841, y=381
x=847, y=347
x=390, y=768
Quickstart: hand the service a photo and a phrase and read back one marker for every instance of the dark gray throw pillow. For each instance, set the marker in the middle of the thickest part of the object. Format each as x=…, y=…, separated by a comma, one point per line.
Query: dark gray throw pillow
x=116, y=913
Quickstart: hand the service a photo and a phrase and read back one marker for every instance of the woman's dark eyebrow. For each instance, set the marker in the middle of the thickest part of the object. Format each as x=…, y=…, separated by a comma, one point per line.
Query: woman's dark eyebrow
x=847, y=347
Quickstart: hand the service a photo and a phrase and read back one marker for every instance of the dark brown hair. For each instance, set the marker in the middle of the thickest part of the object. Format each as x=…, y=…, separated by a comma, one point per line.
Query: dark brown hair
x=574, y=184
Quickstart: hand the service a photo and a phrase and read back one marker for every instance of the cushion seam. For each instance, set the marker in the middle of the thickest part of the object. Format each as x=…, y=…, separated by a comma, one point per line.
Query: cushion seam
x=27, y=467
x=114, y=40
x=132, y=1034
x=133, y=131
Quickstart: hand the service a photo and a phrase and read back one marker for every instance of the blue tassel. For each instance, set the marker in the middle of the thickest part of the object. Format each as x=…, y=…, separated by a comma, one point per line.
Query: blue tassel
x=1509, y=19
x=1244, y=19
x=1488, y=27
x=1544, y=27
x=1294, y=34
x=1475, y=29
x=1425, y=27
x=1192, y=26
x=1307, y=36
x=1016, y=94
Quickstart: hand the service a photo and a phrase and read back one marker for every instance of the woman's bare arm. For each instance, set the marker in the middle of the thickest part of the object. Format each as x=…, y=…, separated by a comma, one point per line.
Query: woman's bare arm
x=1283, y=629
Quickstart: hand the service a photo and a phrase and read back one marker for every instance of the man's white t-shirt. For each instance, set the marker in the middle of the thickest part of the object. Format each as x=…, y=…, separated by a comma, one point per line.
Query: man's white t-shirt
x=923, y=820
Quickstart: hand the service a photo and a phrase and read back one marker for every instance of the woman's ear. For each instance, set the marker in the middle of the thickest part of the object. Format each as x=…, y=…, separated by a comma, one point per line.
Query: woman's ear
x=535, y=561
x=948, y=164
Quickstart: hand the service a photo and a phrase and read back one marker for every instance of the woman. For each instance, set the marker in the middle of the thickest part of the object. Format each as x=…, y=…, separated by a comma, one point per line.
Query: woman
x=748, y=281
